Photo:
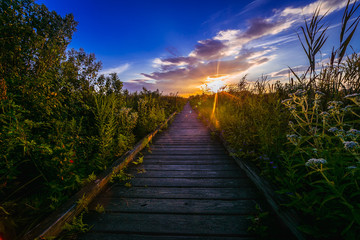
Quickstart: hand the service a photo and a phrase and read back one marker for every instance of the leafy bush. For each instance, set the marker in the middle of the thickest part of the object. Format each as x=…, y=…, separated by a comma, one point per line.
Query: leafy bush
x=61, y=123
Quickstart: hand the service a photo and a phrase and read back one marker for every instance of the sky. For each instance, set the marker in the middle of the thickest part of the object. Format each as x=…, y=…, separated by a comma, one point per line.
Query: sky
x=179, y=46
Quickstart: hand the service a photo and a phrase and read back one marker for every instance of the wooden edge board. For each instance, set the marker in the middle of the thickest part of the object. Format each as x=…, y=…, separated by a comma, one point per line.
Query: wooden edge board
x=289, y=218
x=53, y=224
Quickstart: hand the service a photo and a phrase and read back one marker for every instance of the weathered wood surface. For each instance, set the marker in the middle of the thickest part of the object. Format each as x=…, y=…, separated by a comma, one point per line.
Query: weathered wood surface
x=191, y=189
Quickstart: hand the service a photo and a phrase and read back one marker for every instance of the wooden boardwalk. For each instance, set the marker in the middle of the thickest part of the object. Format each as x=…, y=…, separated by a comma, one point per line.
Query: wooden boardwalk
x=191, y=189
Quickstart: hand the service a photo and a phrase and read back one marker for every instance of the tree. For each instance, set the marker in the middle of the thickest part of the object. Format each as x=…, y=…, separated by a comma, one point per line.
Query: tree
x=33, y=43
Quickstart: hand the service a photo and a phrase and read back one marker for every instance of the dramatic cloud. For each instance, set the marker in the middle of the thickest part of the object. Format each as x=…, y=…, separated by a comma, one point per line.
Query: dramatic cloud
x=118, y=70
x=227, y=35
x=195, y=75
x=228, y=53
x=208, y=49
x=169, y=64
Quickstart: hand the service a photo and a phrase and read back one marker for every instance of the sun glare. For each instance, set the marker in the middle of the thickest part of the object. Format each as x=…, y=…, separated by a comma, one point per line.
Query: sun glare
x=214, y=84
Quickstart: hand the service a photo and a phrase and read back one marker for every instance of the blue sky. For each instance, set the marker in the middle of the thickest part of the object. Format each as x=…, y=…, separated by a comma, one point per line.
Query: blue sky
x=178, y=46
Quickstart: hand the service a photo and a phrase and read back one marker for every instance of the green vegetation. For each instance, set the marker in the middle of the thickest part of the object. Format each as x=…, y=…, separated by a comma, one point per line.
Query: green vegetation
x=303, y=135
x=61, y=122
x=257, y=223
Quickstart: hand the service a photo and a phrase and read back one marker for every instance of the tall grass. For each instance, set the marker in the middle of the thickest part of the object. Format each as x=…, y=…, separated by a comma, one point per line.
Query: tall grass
x=304, y=135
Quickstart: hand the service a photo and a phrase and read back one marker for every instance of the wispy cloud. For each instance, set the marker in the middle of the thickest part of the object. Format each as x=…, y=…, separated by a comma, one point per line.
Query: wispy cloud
x=230, y=53
x=326, y=6
x=120, y=69
x=286, y=71
x=251, y=6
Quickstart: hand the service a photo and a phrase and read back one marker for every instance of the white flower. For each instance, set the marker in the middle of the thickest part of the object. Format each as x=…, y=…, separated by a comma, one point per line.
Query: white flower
x=300, y=93
x=286, y=101
x=348, y=107
x=348, y=145
x=324, y=114
x=352, y=95
x=292, y=136
x=333, y=129
x=340, y=132
x=351, y=135
x=335, y=103
x=354, y=131
x=315, y=161
x=351, y=167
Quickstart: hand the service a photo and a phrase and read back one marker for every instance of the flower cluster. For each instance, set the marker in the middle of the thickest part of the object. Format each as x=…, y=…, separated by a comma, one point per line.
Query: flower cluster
x=335, y=103
x=354, y=131
x=333, y=129
x=315, y=161
x=319, y=93
x=287, y=101
x=293, y=138
x=351, y=167
x=354, y=95
x=334, y=106
x=300, y=93
x=324, y=114
x=350, y=145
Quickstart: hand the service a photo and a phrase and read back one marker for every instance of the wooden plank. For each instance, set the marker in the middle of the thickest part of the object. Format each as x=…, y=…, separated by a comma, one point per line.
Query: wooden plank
x=183, y=135
x=181, y=192
x=189, y=206
x=187, y=132
x=193, y=182
x=189, y=152
x=186, y=137
x=185, y=143
x=188, y=157
x=170, y=224
x=193, y=142
x=203, y=167
x=127, y=236
x=177, y=136
x=188, y=162
x=186, y=148
x=190, y=174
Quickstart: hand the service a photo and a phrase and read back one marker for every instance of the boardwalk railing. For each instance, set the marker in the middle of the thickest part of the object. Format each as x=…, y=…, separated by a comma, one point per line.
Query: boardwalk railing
x=53, y=225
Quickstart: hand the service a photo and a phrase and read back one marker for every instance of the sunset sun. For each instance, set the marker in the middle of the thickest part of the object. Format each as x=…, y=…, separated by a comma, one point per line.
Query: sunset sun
x=214, y=83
